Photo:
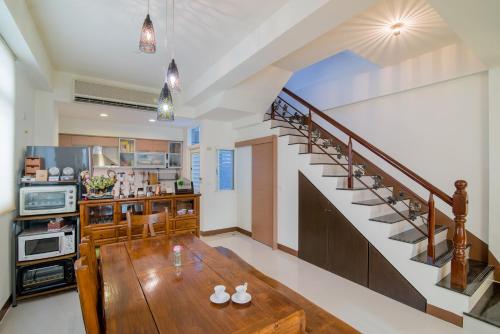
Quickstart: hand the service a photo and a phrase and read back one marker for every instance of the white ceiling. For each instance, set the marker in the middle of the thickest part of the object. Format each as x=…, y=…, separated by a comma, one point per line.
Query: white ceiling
x=369, y=36
x=100, y=38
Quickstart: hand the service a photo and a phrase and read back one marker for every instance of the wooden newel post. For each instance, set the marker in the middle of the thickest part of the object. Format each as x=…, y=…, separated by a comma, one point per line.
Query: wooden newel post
x=431, y=229
x=350, y=181
x=459, y=260
x=309, y=132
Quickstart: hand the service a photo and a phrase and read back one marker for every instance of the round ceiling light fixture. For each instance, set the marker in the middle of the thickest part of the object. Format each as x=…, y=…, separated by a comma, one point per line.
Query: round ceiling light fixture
x=103, y=115
x=396, y=28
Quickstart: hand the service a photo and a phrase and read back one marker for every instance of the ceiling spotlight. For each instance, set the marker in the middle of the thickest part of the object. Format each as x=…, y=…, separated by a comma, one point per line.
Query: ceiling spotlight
x=152, y=120
x=103, y=115
x=396, y=28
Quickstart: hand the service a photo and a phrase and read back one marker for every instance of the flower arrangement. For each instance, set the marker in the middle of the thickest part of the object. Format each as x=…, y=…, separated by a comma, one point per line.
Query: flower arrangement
x=98, y=184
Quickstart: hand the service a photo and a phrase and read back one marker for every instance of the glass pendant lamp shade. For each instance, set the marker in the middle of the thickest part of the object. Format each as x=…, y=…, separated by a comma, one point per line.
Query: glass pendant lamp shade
x=165, y=111
x=147, y=43
x=173, y=76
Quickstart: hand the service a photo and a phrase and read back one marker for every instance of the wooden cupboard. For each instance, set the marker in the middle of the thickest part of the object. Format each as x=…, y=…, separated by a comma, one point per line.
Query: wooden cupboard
x=329, y=240
x=106, y=220
x=141, y=145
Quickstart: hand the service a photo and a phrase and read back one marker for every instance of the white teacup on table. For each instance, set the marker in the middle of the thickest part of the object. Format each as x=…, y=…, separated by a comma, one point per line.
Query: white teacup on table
x=220, y=296
x=241, y=296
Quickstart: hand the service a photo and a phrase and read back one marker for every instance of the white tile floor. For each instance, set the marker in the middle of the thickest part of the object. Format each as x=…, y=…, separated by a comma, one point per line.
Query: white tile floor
x=367, y=311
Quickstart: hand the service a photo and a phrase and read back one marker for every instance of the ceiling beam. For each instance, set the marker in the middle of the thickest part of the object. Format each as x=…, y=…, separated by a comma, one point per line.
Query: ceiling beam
x=288, y=29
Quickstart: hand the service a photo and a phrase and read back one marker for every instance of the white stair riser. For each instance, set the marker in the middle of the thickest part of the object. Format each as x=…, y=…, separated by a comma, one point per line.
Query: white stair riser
x=289, y=131
x=480, y=292
x=385, y=209
x=316, y=149
x=296, y=140
x=336, y=170
x=361, y=195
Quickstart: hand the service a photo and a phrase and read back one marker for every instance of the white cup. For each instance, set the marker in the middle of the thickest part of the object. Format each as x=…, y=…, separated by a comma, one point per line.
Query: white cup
x=241, y=291
x=219, y=292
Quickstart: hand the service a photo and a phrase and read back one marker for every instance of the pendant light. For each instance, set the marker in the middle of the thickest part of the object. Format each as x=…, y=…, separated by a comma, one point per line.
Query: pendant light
x=173, y=73
x=165, y=111
x=147, y=43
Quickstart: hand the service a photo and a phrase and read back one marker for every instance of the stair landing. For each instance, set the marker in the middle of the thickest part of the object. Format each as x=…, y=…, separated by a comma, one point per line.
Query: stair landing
x=487, y=308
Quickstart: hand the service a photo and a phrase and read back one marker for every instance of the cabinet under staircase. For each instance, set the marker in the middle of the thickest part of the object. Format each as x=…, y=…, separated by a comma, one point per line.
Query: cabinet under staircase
x=426, y=247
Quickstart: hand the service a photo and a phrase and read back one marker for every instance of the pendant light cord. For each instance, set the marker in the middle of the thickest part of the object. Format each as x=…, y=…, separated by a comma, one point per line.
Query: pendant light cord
x=148, y=7
x=173, y=28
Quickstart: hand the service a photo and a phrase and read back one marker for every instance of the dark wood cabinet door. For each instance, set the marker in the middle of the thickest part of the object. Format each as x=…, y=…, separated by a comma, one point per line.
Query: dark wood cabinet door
x=385, y=279
x=313, y=224
x=347, y=248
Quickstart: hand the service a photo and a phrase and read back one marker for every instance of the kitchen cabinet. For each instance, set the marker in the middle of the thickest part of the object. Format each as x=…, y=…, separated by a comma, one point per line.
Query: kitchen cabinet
x=150, y=160
x=329, y=240
x=106, y=221
x=175, y=155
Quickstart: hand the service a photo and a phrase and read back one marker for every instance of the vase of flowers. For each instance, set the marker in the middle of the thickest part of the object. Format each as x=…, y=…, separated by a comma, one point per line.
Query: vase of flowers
x=98, y=187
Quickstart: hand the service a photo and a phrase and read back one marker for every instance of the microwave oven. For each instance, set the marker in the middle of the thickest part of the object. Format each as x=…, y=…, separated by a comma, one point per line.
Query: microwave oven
x=39, y=243
x=41, y=200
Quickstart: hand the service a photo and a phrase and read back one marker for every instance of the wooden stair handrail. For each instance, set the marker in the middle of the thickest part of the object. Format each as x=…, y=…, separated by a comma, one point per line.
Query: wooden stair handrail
x=396, y=164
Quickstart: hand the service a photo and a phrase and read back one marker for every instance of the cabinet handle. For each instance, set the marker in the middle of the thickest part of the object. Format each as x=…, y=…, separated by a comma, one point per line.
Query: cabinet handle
x=328, y=210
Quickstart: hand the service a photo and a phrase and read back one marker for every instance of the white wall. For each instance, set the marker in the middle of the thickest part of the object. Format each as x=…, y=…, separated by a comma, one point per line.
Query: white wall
x=447, y=63
x=243, y=183
x=218, y=208
x=494, y=161
x=439, y=131
x=24, y=126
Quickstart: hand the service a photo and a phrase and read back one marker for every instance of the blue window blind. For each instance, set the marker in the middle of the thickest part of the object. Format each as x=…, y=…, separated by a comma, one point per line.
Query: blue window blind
x=225, y=169
x=195, y=135
x=195, y=171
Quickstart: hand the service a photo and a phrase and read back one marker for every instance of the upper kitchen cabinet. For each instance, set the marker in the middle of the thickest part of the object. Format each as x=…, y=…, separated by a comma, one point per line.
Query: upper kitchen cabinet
x=151, y=145
x=175, y=154
x=127, y=152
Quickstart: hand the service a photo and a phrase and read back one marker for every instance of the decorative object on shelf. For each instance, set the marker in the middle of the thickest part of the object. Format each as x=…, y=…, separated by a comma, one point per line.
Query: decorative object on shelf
x=41, y=175
x=183, y=186
x=98, y=187
x=32, y=164
x=56, y=224
x=147, y=43
x=53, y=174
x=68, y=174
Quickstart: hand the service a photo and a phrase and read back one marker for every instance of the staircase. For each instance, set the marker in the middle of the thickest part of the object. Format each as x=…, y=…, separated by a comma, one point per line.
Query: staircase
x=408, y=230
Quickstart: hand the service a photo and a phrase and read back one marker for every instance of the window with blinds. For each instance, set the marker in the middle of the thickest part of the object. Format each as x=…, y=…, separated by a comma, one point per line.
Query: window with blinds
x=195, y=171
x=225, y=169
x=194, y=136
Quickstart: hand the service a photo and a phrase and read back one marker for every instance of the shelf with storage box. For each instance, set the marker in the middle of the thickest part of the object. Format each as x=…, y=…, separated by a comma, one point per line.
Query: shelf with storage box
x=43, y=258
x=106, y=219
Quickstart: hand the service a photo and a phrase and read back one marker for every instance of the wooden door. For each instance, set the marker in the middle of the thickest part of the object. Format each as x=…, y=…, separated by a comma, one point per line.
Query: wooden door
x=313, y=224
x=263, y=191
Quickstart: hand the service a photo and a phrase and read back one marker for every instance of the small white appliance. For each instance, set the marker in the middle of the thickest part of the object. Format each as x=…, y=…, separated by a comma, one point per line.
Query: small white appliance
x=41, y=200
x=40, y=243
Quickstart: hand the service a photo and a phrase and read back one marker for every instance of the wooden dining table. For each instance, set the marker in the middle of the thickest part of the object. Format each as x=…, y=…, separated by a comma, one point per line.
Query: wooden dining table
x=143, y=292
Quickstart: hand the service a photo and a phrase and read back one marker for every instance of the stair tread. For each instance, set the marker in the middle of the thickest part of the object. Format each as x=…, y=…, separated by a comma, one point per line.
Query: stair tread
x=487, y=308
x=373, y=202
x=412, y=236
x=476, y=274
x=444, y=253
x=394, y=217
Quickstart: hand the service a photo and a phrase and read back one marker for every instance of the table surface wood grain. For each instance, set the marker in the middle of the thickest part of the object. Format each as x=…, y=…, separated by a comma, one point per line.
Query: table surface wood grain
x=145, y=293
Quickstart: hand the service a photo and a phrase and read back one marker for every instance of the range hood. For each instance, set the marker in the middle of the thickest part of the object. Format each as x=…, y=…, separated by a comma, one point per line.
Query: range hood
x=100, y=159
